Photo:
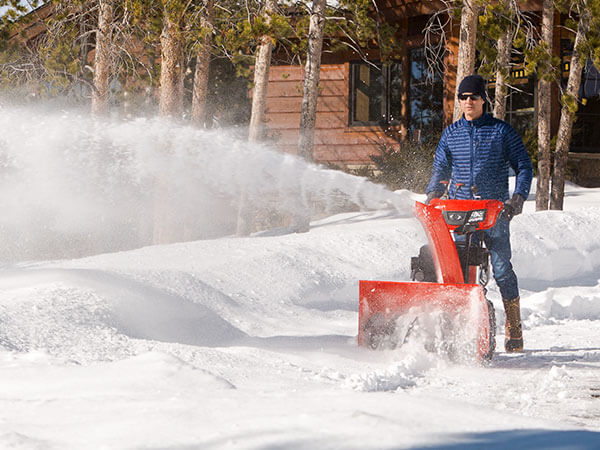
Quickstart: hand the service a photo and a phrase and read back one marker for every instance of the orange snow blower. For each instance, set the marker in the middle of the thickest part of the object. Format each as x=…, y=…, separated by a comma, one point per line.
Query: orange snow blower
x=445, y=304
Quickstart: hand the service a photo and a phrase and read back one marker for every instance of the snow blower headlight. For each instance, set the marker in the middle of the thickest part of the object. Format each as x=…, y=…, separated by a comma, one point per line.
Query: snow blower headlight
x=455, y=217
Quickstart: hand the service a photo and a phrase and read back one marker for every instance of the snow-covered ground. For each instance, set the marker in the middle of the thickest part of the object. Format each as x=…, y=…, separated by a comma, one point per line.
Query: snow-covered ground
x=251, y=343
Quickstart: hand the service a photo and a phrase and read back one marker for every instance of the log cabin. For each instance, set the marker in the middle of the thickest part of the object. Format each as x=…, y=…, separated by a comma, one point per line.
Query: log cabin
x=364, y=105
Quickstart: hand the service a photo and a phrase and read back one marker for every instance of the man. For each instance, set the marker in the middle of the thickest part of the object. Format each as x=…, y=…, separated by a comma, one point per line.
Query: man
x=477, y=151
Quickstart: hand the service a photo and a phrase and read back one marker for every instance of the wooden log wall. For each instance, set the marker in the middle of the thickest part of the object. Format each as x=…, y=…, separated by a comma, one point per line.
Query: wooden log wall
x=335, y=141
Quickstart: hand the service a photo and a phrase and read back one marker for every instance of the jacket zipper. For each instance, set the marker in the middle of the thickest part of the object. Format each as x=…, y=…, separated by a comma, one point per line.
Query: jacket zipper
x=471, y=131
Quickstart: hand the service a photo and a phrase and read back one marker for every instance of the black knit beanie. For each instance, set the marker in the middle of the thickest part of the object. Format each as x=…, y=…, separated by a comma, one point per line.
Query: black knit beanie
x=474, y=84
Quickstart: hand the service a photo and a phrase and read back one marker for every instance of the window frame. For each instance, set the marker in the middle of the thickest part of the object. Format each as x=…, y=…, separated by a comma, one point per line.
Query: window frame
x=511, y=113
x=386, y=94
x=352, y=97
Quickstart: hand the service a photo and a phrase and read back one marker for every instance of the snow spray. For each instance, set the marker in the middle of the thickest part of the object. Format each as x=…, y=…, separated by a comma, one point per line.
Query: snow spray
x=71, y=185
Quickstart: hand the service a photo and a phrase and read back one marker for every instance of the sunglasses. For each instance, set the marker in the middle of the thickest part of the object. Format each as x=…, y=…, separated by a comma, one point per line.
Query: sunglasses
x=463, y=97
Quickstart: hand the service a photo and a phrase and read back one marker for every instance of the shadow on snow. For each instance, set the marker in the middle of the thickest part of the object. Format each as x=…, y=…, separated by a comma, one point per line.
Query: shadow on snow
x=522, y=439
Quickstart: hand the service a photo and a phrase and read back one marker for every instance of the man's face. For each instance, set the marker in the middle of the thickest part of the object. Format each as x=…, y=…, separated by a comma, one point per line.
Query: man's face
x=471, y=105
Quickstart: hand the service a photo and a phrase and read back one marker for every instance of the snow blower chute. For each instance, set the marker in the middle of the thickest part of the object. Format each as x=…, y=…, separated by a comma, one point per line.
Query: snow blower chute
x=446, y=299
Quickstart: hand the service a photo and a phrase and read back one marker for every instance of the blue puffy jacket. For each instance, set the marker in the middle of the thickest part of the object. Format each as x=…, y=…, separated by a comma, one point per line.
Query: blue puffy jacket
x=479, y=153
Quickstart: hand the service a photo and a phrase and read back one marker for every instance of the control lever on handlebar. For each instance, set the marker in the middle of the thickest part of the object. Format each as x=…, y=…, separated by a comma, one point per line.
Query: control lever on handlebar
x=445, y=195
x=458, y=186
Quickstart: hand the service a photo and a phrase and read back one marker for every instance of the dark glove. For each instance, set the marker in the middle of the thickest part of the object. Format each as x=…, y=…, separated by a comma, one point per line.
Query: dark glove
x=432, y=195
x=513, y=206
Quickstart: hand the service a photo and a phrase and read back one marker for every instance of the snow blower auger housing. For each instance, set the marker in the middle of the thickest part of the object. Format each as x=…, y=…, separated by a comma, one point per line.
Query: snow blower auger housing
x=449, y=278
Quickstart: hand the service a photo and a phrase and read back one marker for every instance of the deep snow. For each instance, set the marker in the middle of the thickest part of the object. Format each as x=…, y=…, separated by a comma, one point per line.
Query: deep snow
x=251, y=342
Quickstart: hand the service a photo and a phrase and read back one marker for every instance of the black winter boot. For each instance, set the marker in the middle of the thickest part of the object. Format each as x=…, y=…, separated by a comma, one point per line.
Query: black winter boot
x=514, y=332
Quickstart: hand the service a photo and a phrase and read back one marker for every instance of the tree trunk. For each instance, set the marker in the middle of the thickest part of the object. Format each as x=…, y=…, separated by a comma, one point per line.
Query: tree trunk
x=544, y=117
x=312, y=73
x=256, y=131
x=167, y=224
x=404, y=97
x=310, y=96
x=171, y=68
x=565, y=127
x=504, y=49
x=102, y=59
x=261, y=81
x=466, y=47
x=200, y=88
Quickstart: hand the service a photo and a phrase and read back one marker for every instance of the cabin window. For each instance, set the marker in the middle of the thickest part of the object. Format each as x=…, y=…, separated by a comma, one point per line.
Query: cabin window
x=520, y=105
x=376, y=94
x=586, y=133
x=520, y=98
x=367, y=93
x=395, y=94
x=426, y=93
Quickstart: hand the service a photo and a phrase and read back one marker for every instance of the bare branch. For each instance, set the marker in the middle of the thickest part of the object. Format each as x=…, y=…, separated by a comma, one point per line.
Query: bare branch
x=435, y=39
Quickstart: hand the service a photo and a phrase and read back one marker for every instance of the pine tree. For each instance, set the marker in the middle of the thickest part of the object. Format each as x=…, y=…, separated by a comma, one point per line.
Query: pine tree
x=311, y=80
x=15, y=10
x=203, y=57
x=261, y=77
x=545, y=78
x=19, y=65
x=102, y=58
x=586, y=45
x=179, y=28
x=466, y=47
x=172, y=68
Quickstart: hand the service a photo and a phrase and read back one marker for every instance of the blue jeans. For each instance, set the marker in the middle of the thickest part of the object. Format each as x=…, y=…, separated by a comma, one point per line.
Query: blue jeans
x=497, y=240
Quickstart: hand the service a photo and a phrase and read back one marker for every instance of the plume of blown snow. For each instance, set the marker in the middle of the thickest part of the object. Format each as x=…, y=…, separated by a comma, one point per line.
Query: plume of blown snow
x=71, y=185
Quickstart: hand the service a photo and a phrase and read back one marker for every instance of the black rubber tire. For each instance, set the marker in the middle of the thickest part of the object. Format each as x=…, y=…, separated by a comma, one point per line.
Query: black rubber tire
x=492, y=317
x=425, y=262
x=380, y=332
